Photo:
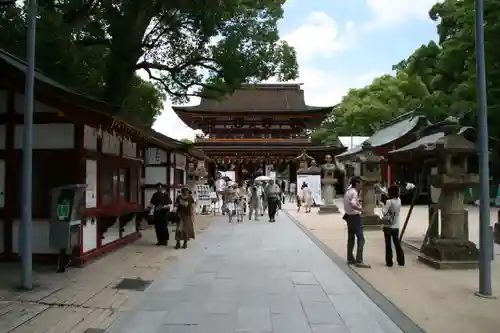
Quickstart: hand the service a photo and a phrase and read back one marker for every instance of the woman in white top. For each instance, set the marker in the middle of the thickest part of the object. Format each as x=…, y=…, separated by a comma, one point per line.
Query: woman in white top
x=392, y=223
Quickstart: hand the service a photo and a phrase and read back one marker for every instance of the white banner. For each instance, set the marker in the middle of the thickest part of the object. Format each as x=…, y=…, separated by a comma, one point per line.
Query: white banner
x=301, y=179
x=314, y=184
x=230, y=174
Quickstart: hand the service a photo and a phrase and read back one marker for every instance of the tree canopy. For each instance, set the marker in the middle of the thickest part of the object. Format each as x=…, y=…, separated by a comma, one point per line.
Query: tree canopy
x=438, y=78
x=186, y=48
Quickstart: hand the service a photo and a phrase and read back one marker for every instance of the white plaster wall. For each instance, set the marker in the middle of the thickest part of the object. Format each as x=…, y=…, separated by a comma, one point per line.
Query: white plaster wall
x=41, y=231
x=91, y=190
x=112, y=234
x=110, y=143
x=129, y=228
x=89, y=235
x=155, y=174
x=38, y=107
x=3, y=101
x=48, y=136
x=89, y=138
x=172, y=174
x=129, y=148
x=155, y=156
x=180, y=161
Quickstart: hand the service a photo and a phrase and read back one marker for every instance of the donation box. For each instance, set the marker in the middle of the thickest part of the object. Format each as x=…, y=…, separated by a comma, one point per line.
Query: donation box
x=66, y=214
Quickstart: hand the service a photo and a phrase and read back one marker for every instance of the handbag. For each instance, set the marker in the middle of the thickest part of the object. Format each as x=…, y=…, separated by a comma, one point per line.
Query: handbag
x=388, y=217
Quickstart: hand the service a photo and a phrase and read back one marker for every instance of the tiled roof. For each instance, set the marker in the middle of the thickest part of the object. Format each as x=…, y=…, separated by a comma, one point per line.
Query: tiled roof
x=95, y=105
x=258, y=98
x=388, y=134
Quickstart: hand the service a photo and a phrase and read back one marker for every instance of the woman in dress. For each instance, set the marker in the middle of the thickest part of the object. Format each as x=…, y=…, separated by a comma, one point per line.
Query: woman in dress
x=185, y=209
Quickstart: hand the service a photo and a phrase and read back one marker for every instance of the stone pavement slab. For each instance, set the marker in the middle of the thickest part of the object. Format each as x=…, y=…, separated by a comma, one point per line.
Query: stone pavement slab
x=253, y=277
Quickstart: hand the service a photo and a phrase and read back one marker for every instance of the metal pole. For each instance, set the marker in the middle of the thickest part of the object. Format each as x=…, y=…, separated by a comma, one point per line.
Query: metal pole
x=26, y=232
x=485, y=239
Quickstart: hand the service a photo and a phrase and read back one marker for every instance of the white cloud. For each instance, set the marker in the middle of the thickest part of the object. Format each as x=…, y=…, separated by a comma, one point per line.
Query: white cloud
x=320, y=36
x=395, y=12
x=325, y=88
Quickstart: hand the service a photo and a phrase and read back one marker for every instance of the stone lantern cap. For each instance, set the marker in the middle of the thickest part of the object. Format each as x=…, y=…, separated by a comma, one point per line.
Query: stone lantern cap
x=304, y=160
x=314, y=169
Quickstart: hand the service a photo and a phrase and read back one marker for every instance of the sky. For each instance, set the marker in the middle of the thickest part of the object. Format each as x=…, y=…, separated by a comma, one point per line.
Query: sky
x=340, y=45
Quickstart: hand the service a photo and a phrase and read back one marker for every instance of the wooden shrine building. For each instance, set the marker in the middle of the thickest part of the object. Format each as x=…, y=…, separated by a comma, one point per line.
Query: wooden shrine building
x=257, y=127
x=79, y=140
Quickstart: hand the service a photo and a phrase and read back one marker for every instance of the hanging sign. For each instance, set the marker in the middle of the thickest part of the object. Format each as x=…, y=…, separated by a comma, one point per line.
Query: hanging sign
x=63, y=210
x=202, y=195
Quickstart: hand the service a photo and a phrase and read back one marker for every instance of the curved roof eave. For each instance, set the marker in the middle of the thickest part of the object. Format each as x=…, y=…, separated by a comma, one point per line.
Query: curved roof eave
x=386, y=135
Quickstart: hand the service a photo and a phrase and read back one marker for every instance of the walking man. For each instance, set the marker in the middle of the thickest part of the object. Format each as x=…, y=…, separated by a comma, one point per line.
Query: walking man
x=161, y=204
x=273, y=192
x=353, y=211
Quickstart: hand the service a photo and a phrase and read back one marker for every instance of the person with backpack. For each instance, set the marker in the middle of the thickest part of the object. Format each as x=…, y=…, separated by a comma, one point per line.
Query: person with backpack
x=391, y=226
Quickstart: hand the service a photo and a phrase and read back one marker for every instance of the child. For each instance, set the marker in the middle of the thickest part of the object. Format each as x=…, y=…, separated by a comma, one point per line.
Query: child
x=254, y=204
x=241, y=209
x=299, y=202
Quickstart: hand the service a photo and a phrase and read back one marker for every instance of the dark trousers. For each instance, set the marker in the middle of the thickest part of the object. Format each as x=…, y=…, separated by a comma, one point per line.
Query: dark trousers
x=272, y=207
x=393, y=234
x=355, y=232
x=161, y=228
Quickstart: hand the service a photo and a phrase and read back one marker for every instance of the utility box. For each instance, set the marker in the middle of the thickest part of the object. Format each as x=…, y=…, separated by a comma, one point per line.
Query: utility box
x=68, y=203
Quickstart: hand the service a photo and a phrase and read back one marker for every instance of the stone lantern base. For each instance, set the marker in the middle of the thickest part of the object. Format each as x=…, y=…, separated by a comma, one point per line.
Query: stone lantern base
x=329, y=209
x=371, y=221
x=450, y=254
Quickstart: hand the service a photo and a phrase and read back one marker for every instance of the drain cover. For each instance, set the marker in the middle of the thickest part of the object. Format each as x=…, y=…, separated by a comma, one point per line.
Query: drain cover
x=132, y=284
x=94, y=330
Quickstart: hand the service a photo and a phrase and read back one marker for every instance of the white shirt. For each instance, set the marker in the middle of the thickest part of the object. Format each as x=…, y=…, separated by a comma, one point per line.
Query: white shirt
x=394, y=205
x=351, y=202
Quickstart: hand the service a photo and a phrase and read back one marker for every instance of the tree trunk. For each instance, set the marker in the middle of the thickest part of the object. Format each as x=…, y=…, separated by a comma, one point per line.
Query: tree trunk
x=126, y=50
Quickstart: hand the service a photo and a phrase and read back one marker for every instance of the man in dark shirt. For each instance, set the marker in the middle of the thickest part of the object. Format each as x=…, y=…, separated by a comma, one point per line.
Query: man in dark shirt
x=161, y=204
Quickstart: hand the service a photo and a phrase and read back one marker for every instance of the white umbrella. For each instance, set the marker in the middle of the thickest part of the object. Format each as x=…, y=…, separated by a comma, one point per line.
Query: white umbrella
x=263, y=178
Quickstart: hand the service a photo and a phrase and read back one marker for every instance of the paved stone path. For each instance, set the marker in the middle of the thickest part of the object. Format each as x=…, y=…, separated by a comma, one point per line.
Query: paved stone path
x=254, y=277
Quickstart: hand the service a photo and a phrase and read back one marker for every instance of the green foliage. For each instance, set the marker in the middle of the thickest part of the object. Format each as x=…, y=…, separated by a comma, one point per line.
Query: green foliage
x=186, y=47
x=187, y=141
x=437, y=78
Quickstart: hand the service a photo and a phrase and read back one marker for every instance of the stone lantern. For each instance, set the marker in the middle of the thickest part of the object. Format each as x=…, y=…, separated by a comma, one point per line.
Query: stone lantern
x=452, y=247
x=370, y=175
x=201, y=173
x=329, y=182
x=191, y=177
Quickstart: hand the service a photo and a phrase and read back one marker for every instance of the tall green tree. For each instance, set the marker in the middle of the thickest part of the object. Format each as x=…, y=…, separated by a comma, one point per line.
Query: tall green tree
x=438, y=78
x=186, y=47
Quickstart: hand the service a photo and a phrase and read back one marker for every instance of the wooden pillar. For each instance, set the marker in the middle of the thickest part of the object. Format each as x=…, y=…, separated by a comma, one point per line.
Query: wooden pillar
x=10, y=182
